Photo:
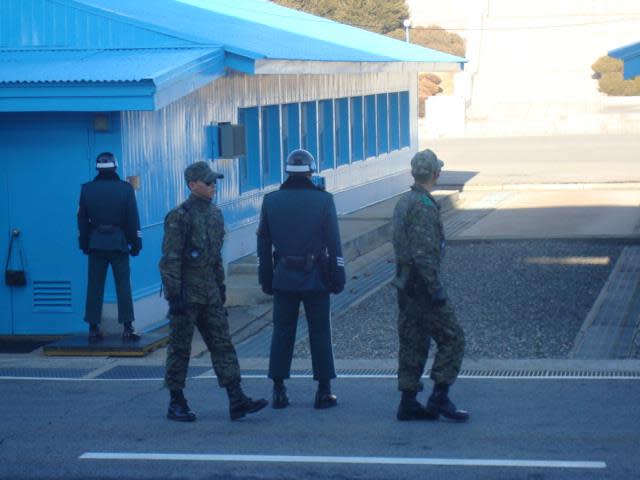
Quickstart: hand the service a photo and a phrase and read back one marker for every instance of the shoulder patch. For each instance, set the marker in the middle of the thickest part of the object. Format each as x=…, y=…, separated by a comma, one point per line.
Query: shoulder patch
x=174, y=214
x=426, y=201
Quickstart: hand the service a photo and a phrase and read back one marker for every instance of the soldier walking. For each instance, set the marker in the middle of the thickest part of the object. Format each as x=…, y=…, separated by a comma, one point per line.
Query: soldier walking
x=419, y=243
x=193, y=281
x=109, y=231
x=300, y=260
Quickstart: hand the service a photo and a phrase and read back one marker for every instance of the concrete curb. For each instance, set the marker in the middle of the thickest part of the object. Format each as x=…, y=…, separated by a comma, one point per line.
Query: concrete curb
x=544, y=186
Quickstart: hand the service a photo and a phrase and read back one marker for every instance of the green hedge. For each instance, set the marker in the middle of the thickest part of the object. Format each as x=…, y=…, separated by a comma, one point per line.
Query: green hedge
x=434, y=37
x=611, y=80
x=614, y=84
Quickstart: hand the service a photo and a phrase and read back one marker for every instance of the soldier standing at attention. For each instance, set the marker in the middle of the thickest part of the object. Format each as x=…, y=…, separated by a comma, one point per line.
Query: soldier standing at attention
x=193, y=281
x=300, y=260
x=418, y=243
x=109, y=231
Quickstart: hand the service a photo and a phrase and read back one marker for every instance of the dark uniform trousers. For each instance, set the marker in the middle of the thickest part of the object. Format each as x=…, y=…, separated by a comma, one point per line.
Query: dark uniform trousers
x=418, y=321
x=99, y=261
x=211, y=321
x=286, y=306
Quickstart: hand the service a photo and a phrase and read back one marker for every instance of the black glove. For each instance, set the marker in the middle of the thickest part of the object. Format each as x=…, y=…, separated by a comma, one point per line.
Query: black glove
x=335, y=289
x=134, y=252
x=267, y=289
x=85, y=251
x=439, y=297
x=223, y=293
x=177, y=305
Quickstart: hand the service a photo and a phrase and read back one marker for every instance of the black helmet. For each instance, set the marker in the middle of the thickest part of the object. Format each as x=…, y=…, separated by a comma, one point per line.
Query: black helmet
x=301, y=162
x=106, y=161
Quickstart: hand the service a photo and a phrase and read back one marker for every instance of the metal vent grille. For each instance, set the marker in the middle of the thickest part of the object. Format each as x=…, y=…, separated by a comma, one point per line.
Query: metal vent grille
x=52, y=296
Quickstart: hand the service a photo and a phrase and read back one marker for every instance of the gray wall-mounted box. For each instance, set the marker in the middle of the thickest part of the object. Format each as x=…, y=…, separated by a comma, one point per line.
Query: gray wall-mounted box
x=231, y=140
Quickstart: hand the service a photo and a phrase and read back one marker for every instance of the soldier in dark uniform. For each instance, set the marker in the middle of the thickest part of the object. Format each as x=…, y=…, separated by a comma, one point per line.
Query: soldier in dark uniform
x=418, y=242
x=109, y=231
x=193, y=281
x=300, y=260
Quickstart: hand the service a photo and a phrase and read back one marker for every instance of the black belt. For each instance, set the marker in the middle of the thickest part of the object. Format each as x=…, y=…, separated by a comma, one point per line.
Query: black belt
x=107, y=228
x=299, y=263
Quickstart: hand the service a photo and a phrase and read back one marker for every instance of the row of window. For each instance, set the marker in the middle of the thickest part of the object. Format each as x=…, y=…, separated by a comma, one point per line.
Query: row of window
x=336, y=131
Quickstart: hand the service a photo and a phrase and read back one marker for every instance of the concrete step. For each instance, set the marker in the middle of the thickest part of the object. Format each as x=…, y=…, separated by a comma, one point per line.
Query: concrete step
x=612, y=327
x=243, y=289
x=247, y=265
x=361, y=232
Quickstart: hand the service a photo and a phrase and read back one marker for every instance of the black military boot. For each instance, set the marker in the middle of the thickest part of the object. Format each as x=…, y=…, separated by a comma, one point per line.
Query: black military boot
x=324, y=397
x=179, y=409
x=240, y=404
x=280, y=399
x=95, y=335
x=128, y=334
x=410, y=408
x=439, y=404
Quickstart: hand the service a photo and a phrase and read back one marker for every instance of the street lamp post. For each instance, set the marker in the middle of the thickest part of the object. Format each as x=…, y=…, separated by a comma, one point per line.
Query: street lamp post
x=407, y=24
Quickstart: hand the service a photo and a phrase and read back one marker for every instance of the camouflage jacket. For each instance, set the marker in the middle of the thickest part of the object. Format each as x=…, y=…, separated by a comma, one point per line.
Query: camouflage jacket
x=418, y=240
x=191, y=263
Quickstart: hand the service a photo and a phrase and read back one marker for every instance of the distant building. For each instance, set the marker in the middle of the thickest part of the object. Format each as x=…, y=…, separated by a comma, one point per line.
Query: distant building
x=630, y=56
x=162, y=84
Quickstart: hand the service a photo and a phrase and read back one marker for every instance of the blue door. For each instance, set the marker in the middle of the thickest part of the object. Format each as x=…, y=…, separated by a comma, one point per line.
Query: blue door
x=45, y=158
x=6, y=317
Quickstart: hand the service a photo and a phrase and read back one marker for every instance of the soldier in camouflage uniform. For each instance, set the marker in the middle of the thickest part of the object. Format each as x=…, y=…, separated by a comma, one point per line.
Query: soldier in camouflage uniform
x=424, y=313
x=193, y=282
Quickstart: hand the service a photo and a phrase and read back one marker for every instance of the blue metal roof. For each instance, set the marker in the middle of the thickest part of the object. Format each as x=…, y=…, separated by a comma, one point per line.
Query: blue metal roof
x=630, y=55
x=157, y=65
x=262, y=29
x=174, y=47
x=104, y=80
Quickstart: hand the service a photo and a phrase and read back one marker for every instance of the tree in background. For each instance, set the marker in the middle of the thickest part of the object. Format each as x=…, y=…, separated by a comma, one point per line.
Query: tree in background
x=608, y=72
x=434, y=37
x=380, y=16
x=386, y=17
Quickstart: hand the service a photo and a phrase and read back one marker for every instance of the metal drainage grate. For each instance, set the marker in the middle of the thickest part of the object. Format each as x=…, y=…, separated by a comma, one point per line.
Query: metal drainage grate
x=44, y=372
x=470, y=373
x=157, y=373
x=150, y=372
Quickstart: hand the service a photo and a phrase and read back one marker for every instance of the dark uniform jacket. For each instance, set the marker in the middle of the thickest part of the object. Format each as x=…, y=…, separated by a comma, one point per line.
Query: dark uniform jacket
x=299, y=245
x=108, y=215
x=191, y=265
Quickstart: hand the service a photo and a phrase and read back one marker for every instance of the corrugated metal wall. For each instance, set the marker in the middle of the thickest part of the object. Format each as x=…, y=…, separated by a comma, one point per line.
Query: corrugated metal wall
x=44, y=23
x=158, y=145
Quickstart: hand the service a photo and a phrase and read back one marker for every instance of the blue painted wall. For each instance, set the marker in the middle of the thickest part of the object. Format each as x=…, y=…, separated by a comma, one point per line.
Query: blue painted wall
x=45, y=158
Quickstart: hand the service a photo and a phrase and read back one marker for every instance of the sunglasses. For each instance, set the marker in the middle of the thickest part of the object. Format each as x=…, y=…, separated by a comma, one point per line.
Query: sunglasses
x=208, y=184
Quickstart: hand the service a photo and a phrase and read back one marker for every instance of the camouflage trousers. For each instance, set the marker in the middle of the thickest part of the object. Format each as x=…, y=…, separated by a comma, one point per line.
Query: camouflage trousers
x=213, y=326
x=418, y=322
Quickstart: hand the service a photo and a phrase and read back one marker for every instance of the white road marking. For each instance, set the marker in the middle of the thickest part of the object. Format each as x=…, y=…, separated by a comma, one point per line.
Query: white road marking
x=455, y=462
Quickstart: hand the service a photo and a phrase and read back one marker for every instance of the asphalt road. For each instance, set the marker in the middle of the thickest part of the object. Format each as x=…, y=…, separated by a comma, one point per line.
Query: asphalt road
x=520, y=429
x=539, y=160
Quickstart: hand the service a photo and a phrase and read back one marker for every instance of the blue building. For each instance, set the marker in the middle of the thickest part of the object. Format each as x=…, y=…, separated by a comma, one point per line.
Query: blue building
x=155, y=82
x=630, y=56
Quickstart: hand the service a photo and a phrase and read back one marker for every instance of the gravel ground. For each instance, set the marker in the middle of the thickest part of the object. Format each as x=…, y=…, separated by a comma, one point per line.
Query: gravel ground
x=514, y=299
